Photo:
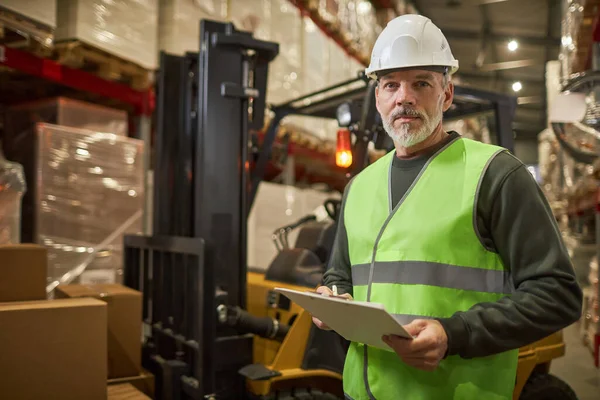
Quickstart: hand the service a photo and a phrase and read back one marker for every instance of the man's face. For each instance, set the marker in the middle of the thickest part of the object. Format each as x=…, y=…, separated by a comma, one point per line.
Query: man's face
x=411, y=104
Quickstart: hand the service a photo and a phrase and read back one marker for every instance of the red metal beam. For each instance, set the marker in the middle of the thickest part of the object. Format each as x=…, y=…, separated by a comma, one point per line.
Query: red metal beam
x=74, y=78
x=323, y=168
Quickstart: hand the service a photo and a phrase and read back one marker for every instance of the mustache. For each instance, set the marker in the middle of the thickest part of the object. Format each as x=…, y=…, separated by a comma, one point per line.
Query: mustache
x=405, y=112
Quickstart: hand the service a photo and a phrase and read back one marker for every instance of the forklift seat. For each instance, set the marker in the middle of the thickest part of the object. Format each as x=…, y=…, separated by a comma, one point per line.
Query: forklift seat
x=305, y=264
x=317, y=237
x=299, y=267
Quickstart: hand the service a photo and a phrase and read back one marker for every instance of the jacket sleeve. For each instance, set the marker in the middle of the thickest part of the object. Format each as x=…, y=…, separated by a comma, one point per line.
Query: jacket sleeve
x=546, y=297
x=338, y=267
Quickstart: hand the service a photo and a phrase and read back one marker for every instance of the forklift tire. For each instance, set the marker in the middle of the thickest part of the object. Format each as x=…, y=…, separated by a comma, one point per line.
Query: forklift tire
x=542, y=386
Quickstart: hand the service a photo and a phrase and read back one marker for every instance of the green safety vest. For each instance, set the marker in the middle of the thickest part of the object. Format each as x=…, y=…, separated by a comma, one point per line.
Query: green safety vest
x=424, y=259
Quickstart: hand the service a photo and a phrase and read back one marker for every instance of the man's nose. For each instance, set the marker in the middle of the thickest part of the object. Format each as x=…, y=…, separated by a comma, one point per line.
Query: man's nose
x=405, y=95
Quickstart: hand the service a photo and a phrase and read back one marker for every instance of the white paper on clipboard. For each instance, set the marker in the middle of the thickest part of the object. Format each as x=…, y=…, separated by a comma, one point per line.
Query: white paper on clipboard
x=355, y=321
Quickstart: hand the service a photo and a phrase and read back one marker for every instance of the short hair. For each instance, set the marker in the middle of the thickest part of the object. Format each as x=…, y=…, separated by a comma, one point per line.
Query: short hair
x=446, y=78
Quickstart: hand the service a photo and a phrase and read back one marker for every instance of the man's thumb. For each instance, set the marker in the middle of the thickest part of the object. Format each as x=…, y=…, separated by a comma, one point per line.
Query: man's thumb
x=415, y=327
x=324, y=290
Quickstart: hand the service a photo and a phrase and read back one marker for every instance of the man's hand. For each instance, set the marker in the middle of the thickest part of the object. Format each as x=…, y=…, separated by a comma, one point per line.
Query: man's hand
x=427, y=348
x=324, y=290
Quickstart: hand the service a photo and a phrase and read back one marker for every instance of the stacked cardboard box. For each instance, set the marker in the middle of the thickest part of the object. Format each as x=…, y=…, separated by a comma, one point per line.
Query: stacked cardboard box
x=124, y=328
x=53, y=347
x=83, y=344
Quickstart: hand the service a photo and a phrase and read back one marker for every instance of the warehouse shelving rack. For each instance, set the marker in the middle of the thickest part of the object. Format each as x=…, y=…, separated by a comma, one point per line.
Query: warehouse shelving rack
x=583, y=212
x=27, y=75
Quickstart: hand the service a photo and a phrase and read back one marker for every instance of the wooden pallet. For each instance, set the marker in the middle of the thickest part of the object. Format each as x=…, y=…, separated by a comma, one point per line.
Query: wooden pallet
x=76, y=54
x=125, y=391
x=19, y=32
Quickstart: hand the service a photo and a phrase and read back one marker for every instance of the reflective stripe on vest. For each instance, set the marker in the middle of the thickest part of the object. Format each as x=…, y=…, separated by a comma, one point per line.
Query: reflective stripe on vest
x=424, y=259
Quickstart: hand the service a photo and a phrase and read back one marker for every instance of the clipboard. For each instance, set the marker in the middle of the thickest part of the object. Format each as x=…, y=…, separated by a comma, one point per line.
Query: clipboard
x=356, y=321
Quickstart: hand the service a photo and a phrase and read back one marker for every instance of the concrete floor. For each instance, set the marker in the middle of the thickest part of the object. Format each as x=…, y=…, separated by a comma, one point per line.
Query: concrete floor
x=577, y=367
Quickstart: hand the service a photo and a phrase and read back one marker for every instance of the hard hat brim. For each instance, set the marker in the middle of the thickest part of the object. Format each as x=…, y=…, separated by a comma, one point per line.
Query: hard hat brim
x=377, y=74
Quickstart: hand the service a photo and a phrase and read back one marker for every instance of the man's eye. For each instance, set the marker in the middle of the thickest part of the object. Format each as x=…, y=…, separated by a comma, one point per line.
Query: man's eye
x=423, y=84
x=390, y=85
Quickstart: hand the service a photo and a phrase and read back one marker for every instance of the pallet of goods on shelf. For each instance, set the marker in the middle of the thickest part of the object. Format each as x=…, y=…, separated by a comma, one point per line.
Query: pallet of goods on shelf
x=77, y=54
x=28, y=25
x=578, y=29
x=352, y=24
x=179, y=26
x=115, y=40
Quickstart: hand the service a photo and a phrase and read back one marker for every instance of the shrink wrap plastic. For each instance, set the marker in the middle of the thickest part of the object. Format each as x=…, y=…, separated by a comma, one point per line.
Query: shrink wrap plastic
x=179, y=23
x=90, y=192
x=126, y=28
x=12, y=188
x=41, y=11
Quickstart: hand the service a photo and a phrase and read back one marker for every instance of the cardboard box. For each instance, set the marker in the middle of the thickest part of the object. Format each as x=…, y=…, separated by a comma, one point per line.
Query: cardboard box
x=125, y=391
x=23, y=272
x=53, y=348
x=124, y=324
x=144, y=382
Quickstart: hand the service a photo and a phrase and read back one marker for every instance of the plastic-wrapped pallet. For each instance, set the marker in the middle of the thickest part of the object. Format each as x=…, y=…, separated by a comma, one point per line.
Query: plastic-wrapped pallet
x=339, y=64
x=90, y=192
x=315, y=67
x=253, y=16
x=179, y=23
x=12, y=188
x=570, y=25
x=315, y=56
x=286, y=79
x=20, y=138
x=40, y=11
x=127, y=29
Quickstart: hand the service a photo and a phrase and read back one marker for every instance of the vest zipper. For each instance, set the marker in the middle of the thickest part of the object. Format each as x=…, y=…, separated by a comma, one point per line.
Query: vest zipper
x=392, y=211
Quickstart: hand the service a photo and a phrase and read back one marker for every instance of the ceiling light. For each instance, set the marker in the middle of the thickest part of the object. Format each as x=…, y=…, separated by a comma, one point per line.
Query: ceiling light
x=517, y=86
x=513, y=45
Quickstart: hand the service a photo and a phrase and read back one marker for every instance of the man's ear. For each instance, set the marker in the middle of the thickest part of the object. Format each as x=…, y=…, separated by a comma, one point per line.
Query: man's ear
x=448, y=96
x=377, y=96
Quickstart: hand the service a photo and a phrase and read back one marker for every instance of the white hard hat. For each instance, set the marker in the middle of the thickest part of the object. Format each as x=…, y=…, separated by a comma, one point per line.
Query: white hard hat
x=410, y=41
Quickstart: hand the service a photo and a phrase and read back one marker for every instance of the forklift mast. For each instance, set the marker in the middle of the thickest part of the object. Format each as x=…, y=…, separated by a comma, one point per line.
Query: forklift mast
x=194, y=263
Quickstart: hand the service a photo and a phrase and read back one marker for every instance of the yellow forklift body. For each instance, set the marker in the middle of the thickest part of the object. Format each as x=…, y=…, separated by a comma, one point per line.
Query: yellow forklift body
x=286, y=357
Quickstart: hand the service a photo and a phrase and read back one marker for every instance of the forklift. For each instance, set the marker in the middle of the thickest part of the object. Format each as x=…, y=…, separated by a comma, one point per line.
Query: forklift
x=213, y=327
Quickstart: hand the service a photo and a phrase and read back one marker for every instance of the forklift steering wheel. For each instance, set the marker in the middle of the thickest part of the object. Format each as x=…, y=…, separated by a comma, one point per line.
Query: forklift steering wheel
x=333, y=208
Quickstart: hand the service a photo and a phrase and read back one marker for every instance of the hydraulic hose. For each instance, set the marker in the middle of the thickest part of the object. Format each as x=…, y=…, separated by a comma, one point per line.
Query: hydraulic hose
x=245, y=322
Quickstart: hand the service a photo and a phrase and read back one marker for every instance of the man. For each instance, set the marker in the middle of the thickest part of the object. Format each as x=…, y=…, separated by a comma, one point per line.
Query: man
x=453, y=236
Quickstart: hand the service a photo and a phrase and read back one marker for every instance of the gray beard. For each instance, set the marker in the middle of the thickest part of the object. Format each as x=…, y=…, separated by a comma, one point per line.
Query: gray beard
x=406, y=137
